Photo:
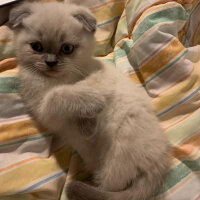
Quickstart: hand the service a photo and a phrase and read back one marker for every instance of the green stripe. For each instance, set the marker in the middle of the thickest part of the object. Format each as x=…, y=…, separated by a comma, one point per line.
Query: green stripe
x=167, y=15
x=184, y=128
x=178, y=173
x=25, y=140
x=167, y=66
x=124, y=50
x=9, y=85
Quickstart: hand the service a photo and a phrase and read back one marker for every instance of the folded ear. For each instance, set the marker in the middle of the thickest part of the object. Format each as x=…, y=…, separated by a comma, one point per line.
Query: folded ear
x=17, y=15
x=84, y=16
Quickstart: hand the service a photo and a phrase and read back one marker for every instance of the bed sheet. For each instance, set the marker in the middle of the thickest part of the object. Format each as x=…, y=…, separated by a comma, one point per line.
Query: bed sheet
x=156, y=43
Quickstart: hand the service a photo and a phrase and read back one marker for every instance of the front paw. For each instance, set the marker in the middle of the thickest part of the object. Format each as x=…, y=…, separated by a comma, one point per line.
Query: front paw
x=94, y=104
x=66, y=101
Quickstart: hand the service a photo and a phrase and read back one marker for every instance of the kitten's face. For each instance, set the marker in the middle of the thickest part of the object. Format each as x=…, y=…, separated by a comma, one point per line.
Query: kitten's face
x=53, y=41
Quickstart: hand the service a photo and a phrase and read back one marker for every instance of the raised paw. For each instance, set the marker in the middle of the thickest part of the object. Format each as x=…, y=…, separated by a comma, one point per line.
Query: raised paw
x=92, y=105
x=67, y=101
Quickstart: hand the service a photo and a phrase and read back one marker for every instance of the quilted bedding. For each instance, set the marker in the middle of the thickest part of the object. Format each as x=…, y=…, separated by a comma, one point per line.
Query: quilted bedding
x=156, y=43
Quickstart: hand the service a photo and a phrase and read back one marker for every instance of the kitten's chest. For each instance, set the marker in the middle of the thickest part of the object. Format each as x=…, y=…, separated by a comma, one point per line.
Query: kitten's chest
x=33, y=88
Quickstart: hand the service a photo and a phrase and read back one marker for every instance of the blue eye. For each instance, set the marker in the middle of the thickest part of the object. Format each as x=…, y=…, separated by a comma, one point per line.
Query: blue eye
x=67, y=48
x=37, y=46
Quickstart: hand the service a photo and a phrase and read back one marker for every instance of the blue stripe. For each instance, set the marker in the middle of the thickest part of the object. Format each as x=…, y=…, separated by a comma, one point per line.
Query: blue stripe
x=42, y=182
x=109, y=21
x=180, y=102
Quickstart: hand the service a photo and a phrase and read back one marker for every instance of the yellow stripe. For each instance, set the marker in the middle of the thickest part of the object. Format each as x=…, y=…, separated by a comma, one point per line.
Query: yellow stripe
x=17, y=129
x=106, y=4
x=109, y=12
x=136, y=77
x=172, y=119
x=17, y=178
x=9, y=73
x=5, y=40
x=152, y=66
x=182, y=130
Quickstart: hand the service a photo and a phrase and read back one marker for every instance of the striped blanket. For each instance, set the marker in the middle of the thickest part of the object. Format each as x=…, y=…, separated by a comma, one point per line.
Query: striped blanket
x=155, y=42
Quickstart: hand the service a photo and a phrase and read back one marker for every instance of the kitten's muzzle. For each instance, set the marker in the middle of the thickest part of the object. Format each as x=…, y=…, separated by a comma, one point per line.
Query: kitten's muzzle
x=50, y=60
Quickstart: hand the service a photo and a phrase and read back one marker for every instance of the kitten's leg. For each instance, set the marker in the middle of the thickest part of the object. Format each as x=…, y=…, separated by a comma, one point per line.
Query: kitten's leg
x=138, y=158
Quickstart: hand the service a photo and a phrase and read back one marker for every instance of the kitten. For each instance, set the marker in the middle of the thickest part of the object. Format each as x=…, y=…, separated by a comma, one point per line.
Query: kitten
x=105, y=117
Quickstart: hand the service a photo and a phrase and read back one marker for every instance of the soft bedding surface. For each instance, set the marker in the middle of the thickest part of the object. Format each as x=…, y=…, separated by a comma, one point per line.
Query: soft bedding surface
x=156, y=44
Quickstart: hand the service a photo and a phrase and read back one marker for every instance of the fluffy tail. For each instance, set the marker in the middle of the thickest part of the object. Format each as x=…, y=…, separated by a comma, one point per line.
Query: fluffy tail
x=80, y=191
x=141, y=189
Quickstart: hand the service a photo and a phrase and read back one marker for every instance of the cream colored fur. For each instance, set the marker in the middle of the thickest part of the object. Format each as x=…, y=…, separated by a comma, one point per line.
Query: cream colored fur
x=99, y=111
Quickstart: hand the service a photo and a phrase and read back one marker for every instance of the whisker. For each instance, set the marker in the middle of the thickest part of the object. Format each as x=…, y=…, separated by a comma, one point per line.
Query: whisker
x=32, y=68
x=75, y=68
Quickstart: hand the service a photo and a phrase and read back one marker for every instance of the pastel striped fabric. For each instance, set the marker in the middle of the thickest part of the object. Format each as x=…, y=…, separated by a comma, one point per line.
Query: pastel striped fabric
x=154, y=42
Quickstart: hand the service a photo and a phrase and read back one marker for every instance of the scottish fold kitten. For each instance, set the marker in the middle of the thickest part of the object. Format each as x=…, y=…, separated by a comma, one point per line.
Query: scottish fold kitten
x=98, y=110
